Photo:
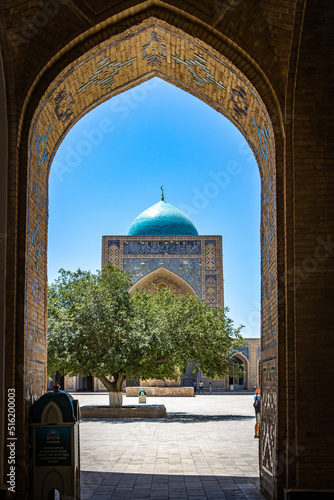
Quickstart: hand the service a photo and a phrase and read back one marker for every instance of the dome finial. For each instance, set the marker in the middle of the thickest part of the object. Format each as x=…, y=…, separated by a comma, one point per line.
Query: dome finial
x=162, y=194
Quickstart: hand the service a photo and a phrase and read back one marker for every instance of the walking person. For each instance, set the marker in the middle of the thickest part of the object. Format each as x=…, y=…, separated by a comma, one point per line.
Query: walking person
x=201, y=387
x=210, y=387
x=195, y=386
x=257, y=408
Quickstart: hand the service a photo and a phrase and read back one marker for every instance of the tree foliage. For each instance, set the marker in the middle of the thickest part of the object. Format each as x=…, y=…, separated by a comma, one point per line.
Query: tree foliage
x=97, y=327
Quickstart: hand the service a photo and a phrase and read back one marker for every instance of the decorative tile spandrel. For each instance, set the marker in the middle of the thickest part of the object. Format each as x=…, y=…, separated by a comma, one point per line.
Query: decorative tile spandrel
x=154, y=51
x=105, y=72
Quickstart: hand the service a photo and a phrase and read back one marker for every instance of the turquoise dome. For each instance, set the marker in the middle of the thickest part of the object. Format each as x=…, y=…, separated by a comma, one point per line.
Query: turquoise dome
x=162, y=219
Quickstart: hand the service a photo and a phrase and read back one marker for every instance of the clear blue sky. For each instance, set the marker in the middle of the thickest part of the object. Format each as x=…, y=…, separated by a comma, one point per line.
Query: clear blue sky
x=110, y=167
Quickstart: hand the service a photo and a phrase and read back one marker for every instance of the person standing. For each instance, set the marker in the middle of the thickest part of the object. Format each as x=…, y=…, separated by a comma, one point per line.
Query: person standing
x=257, y=408
x=210, y=387
x=201, y=387
x=195, y=386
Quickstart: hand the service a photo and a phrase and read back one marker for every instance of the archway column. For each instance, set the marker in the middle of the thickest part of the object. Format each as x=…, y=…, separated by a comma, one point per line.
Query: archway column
x=3, y=245
x=306, y=443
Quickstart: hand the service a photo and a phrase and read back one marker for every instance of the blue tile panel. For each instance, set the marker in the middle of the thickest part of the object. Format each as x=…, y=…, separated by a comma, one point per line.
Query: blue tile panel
x=243, y=350
x=199, y=71
x=189, y=270
x=162, y=219
x=162, y=247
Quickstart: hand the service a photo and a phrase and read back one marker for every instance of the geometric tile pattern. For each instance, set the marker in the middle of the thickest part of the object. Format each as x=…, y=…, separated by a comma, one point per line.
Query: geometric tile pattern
x=105, y=72
x=35, y=376
x=154, y=51
x=37, y=190
x=211, y=289
x=64, y=103
x=210, y=256
x=36, y=239
x=192, y=258
x=198, y=68
x=41, y=144
x=36, y=290
x=268, y=443
x=263, y=135
x=162, y=247
x=189, y=270
x=114, y=255
x=238, y=96
x=244, y=350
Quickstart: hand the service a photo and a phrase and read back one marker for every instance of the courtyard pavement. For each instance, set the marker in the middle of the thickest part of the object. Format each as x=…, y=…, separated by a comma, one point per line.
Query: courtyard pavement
x=204, y=449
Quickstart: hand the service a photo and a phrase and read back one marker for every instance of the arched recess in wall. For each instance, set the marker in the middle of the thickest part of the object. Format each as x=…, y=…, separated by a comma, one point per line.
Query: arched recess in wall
x=166, y=277
x=150, y=49
x=244, y=361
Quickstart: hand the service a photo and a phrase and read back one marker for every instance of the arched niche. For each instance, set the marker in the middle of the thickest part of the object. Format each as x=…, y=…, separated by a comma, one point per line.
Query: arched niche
x=243, y=361
x=163, y=278
x=51, y=414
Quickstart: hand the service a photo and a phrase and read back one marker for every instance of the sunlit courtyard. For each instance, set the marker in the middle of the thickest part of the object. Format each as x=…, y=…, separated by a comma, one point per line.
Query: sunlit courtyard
x=204, y=449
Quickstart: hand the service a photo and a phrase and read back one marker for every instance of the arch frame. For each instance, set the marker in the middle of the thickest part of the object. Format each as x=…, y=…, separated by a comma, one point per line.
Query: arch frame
x=164, y=273
x=45, y=139
x=245, y=361
x=36, y=320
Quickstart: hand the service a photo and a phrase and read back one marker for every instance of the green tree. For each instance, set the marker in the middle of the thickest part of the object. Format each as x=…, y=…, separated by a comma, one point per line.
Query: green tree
x=97, y=327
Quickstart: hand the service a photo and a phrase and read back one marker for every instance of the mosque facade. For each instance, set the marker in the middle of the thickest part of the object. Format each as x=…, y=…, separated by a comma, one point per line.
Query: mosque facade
x=164, y=250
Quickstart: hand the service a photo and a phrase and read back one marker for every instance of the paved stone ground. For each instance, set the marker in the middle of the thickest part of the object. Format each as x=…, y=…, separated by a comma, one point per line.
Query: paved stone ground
x=204, y=449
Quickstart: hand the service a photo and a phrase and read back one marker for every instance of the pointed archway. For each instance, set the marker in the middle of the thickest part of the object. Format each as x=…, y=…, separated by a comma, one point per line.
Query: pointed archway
x=242, y=363
x=163, y=278
x=150, y=49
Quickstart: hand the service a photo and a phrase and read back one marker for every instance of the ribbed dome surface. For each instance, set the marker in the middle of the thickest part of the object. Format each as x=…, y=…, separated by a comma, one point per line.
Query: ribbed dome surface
x=162, y=219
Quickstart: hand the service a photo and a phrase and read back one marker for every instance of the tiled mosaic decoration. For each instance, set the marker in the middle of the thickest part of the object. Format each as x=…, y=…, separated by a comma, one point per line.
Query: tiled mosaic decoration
x=192, y=258
x=189, y=270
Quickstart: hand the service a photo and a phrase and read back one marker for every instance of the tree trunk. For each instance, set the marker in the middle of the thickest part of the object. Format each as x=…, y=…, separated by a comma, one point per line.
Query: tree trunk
x=115, y=399
x=115, y=389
